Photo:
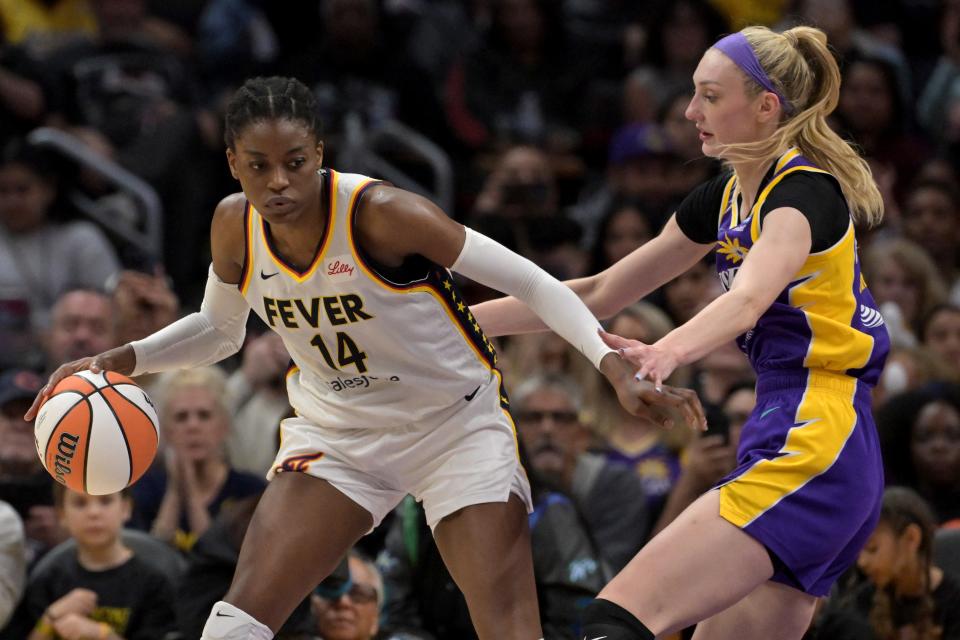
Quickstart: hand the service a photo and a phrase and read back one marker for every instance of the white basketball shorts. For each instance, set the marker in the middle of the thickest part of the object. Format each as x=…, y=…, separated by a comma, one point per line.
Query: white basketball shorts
x=464, y=456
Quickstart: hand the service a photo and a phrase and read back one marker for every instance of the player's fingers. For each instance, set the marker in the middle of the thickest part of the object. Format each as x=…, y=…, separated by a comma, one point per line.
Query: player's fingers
x=691, y=408
x=693, y=401
x=672, y=397
x=62, y=372
x=613, y=341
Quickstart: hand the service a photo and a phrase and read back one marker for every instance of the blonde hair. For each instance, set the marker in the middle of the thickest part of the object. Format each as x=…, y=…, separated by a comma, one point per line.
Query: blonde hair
x=919, y=267
x=211, y=378
x=804, y=71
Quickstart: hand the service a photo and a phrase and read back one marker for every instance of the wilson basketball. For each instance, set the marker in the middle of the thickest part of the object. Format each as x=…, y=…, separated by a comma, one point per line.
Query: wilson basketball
x=97, y=432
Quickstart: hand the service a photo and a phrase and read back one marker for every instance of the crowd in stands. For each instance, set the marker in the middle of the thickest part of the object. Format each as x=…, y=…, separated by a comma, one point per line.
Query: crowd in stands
x=563, y=121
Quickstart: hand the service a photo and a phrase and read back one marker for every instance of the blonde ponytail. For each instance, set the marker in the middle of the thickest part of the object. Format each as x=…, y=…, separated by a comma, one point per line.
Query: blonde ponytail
x=800, y=65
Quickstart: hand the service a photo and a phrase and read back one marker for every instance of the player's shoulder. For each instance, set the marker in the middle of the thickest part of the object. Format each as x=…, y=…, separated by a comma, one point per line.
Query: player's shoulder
x=232, y=207
x=228, y=217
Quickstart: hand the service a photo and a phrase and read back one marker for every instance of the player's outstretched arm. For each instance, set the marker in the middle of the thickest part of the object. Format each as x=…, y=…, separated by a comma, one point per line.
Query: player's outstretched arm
x=768, y=269
x=201, y=338
x=393, y=224
x=606, y=293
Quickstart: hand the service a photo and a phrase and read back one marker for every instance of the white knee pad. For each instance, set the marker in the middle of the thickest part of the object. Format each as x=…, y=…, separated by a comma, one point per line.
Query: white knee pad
x=226, y=622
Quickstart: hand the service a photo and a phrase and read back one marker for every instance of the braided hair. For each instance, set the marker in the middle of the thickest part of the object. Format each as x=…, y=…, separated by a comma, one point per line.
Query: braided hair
x=901, y=508
x=273, y=98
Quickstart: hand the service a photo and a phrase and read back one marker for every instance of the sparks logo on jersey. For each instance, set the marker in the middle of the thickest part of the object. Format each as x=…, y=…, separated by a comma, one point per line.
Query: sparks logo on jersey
x=870, y=317
x=340, y=269
x=732, y=249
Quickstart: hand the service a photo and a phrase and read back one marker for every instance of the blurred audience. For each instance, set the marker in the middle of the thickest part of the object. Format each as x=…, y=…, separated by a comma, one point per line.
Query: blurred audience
x=920, y=441
x=178, y=497
x=24, y=484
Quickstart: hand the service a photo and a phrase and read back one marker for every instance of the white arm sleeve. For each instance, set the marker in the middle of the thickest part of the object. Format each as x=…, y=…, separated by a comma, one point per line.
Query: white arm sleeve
x=199, y=339
x=490, y=263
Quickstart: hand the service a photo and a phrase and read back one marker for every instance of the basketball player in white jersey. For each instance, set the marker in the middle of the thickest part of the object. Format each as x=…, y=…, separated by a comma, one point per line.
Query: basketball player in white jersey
x=395, y=387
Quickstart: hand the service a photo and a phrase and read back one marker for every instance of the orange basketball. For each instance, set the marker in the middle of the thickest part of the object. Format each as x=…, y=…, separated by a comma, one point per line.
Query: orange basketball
x=97, y=432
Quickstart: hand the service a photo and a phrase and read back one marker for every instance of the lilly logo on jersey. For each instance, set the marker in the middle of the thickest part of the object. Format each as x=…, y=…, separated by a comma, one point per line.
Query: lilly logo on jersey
x=340, y=269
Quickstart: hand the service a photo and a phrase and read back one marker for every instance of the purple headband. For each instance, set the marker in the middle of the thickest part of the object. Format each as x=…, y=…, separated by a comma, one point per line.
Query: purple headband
x=736, y=47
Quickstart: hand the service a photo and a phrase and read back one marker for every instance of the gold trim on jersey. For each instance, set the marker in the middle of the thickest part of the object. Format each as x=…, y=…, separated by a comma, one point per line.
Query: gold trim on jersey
x=755, y=218
x=247, y=275
x=725, y=202
x=418, y=288
x=324, y=243
x=823, y=291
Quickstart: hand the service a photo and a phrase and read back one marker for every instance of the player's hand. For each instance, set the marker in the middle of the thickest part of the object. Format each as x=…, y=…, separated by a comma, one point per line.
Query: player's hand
x=666, y=406
x=79, y=601
x=652, y=362
x=73, y=626
x=122, y=360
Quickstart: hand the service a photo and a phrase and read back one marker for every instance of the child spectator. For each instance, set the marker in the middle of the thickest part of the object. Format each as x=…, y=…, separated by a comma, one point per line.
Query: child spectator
x=103, y=590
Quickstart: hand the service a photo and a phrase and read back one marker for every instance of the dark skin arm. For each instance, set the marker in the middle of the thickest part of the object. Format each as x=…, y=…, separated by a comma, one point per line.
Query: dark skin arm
x=393, y=224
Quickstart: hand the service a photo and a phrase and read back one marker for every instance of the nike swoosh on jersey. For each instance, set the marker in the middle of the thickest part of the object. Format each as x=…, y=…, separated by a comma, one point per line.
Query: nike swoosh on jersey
x=267, y=276
x=468, y=398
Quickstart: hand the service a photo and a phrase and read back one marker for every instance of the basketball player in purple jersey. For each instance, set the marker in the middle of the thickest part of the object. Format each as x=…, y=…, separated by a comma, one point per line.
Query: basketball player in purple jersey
x=749, y=558
x=394, y=385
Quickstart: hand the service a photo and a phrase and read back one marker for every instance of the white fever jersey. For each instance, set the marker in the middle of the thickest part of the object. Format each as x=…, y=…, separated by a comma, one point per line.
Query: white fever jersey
x=372, y=347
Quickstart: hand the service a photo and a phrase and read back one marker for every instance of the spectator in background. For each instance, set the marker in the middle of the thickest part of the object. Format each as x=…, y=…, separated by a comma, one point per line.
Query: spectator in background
x=737, y=406
x=210, y=567
x=40, y=258
x=941, y=334
x=102, y=590
x=906, y=285
x=906, y=595
x=685, y=142
x=641, y=166
x=518, y=205
x=143, y=303
x=608, y=497
x=521, y=186
x=24, y=484
x=353, y=614
x=836, y=18
x=637, y=442
x=909, y=368
x=508, y=91
x=352, y=69
x=920, y=441
x=687, y=294
x=82, y=323
x=257, y=396
x=874, y=112
x=931, y=218
x=717, y=373
x=126, y=94
x=622, y=230
x=679, y=32
x=178, y=497
x=13, y=561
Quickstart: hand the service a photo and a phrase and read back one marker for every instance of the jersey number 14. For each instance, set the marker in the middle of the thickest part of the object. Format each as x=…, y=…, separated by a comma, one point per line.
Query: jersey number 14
x=347, y=352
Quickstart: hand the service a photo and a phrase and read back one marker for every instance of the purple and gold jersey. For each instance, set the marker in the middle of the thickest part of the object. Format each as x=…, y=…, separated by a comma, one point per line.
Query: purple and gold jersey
x=826, y=318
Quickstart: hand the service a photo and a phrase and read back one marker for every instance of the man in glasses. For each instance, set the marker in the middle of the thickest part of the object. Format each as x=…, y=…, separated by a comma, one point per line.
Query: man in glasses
x=609, y=496
x=349, y=608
